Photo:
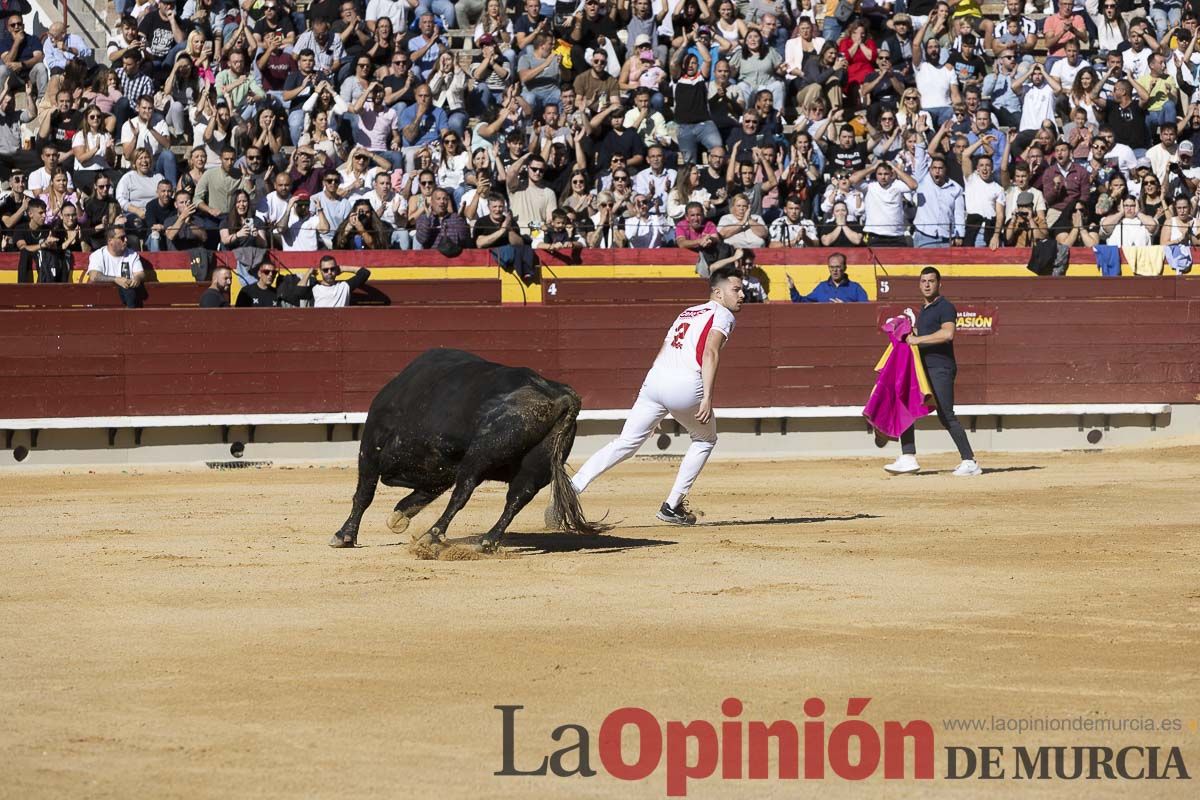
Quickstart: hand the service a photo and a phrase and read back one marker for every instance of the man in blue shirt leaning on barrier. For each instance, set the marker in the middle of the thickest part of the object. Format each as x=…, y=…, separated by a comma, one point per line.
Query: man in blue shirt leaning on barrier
x=838, y=289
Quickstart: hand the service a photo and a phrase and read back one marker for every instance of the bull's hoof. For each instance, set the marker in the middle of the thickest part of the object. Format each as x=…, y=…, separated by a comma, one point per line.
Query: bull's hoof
x=553, y=518
x=338, y=541
x=398, y=522
x=431, y=539
x=486, y=546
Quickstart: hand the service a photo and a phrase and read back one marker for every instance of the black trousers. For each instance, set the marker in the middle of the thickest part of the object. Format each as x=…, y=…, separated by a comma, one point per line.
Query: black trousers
x=941, y=380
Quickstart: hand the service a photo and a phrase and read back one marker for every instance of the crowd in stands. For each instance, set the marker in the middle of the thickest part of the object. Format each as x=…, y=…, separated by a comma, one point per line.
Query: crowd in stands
x=538, y=128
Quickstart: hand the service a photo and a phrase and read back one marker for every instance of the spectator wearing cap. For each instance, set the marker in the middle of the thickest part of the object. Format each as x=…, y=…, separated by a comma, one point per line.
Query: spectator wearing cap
x=940, y=219
x=301, y=223
x=1022, y=182
x=1025, y=226
x=1183, y=177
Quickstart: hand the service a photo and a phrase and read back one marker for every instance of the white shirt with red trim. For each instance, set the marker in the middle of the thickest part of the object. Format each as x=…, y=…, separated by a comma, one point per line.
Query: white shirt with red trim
x=683, y=346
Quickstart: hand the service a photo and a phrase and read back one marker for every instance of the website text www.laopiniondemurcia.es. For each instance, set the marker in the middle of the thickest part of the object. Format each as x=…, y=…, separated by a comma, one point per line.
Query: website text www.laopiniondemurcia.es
x=633, y=744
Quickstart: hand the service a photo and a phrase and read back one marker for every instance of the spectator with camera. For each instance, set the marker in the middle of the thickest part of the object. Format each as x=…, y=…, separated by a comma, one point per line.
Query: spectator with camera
x=362, y=229
x=1026, y=227
x=302, y=220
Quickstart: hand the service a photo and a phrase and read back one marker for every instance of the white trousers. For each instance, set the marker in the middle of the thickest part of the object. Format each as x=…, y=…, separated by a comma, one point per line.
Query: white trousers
x=663, y=392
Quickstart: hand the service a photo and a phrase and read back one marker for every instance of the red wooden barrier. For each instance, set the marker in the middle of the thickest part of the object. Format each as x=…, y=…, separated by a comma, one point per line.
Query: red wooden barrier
x=1005, y=257
x=100, y=362
x=905, y=288
x=688, y=291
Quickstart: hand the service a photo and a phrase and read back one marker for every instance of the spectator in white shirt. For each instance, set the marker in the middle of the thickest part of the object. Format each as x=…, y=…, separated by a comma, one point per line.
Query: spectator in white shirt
x=884, y=218
x=301, y=223
x=740, y=228
x=937, y=83
x=116, y=263
x=645, y=229
x=984, y=198
x=655, y=180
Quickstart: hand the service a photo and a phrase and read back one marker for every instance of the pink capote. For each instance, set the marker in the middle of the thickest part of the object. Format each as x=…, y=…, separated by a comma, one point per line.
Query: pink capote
x=901, y=395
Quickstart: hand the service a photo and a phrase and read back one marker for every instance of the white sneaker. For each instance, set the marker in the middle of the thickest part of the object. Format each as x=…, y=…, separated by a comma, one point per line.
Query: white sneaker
x=968, y=468
x=904, y=465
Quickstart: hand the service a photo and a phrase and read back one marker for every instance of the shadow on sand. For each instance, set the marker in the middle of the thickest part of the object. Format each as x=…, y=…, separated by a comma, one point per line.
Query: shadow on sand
x=986, y=471
x=769, y=521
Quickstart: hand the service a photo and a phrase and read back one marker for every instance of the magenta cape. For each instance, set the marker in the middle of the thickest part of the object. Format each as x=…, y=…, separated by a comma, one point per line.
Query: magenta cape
x=901, y=395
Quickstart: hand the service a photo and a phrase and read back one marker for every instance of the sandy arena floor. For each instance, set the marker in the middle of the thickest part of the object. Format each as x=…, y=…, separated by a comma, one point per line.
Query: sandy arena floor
x=189, y=634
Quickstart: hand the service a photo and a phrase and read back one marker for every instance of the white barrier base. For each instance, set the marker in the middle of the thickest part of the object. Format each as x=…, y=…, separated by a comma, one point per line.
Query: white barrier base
x=820, y=431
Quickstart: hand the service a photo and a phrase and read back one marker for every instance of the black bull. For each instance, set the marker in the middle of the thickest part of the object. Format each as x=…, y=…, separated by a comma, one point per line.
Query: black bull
x=451, y=419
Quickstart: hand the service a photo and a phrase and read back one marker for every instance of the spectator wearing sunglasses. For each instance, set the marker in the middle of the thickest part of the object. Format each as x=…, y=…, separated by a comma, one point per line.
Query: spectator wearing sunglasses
x=116, y=263
x=332, y=293
x=264, y=293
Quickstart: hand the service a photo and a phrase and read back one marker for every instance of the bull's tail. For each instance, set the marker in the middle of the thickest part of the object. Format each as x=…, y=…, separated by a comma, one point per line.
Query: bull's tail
x=565, y=498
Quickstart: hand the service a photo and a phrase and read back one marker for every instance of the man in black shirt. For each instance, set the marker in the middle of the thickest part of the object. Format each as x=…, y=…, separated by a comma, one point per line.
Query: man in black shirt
x=935, y=338
x=846, y=154
x=264, y=294
x=968, y=66
x=217, y=294
x=158, y=211
x=1127, y=118
x=165, y=36
x=59, y=127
